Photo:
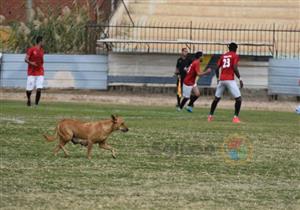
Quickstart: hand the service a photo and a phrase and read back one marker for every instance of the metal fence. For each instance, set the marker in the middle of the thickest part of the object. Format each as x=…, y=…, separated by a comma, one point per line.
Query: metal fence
x=280, y=41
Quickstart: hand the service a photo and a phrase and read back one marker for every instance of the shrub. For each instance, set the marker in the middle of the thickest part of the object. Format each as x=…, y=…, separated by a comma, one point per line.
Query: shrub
x=63, y=33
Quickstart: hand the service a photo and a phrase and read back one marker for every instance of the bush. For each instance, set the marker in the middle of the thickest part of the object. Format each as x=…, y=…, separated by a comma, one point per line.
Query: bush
x=64, y=33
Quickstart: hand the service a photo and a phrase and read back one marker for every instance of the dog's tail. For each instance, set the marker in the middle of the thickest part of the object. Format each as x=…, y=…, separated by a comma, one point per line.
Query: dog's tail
x=51, y=138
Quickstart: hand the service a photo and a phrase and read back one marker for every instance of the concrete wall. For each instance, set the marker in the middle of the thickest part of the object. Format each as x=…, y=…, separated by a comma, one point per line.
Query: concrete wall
x=61, y=71
x=284, y=77
x=148, y=69
x=99, y=71
x=159, y=69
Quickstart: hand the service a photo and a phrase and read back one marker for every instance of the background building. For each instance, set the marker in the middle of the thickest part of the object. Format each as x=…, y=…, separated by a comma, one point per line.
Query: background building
x=15, y=10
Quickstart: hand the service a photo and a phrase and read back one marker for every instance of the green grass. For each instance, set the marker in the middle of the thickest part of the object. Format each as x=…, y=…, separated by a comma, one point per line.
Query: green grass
x=168, y=160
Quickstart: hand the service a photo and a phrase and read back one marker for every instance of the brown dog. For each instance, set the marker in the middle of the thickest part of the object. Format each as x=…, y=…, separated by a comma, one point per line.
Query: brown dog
x=86, y=133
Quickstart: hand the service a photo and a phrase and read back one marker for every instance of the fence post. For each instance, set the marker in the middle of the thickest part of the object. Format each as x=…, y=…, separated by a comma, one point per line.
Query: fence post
x=274, y=41
x=191, y=33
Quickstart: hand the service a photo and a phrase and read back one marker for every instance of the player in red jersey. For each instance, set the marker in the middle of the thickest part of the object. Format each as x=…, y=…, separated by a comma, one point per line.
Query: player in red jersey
x=190, y=83
x=35, y=71
x=229, y=67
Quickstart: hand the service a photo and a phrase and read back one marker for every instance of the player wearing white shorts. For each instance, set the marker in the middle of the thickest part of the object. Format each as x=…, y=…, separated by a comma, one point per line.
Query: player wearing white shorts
x=190, y=83
x=228, y=63
x=35, y=71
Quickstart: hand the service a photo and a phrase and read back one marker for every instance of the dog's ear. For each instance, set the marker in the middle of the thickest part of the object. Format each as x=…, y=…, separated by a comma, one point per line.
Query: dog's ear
x=114, y=118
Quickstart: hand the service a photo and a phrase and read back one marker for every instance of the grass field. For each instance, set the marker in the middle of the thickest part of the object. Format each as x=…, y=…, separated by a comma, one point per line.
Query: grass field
x=168, y=160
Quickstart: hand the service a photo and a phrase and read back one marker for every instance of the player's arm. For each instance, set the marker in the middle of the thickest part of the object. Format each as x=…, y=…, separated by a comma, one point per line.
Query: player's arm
x=177, y=68
x=217, y=71
x=237, y=74
x=176, y=71
x=199, y=74
x=28, y=61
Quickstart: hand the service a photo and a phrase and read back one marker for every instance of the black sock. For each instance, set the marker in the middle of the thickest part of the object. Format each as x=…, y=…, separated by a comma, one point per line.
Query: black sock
x=237, y=106
x=37, y=96
x=192, y=101
x=214, y=105
x=178, y=100
x=28, y=94
x=184, y=100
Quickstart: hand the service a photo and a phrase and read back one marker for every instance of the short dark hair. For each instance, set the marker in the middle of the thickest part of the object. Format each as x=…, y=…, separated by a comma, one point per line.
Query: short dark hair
x=183, y=49
x=39, y=39
x=232, y=46
x=198, y=54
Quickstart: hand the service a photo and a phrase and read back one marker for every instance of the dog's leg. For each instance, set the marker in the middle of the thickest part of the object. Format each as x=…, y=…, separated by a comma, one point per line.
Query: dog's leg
x=56, y=149
x=89, y=149
x=63, y=148
x=106, y=146
x=62, y=143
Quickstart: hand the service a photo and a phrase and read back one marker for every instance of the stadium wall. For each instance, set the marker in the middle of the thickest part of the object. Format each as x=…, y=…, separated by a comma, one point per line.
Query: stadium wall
x=100, y=71
x=61, y=71
x=153, y=69
x=284, y=77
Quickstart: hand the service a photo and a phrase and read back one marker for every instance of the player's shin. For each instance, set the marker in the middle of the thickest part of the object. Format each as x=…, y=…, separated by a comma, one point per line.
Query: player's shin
x=38, y=96
x=214, y=105
x=238, y=104
x=28, y=94
x=184, y=100
x=178, y=100
x=192, y=101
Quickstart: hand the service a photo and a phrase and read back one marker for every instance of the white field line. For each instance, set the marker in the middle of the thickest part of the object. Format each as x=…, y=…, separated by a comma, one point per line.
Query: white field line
x=14, y=120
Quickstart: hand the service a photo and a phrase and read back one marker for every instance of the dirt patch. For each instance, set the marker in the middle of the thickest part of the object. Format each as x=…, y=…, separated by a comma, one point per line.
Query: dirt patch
x=114, y=97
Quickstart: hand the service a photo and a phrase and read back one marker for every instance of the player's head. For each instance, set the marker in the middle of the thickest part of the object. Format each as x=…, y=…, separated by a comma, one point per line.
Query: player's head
x=232, y=47
x=184, y=51
x=198, y=55
x=39, y=40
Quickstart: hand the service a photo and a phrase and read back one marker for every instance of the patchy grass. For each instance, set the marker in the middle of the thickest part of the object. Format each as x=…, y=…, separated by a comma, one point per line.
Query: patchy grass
x=168, y=160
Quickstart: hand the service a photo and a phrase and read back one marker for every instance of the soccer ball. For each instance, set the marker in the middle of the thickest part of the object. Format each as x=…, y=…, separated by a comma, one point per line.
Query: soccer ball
x=298, y=110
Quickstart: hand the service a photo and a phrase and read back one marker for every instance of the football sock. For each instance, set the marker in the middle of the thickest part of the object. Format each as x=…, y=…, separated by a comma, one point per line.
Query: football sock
x=28, y=94
x=37, y=96
x=214, y=105
x=184, y=100
x=238, y=103
x=178, y=100
x=192, y=101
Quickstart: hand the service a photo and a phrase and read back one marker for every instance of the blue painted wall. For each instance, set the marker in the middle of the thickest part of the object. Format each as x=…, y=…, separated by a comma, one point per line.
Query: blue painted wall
x=61, y=71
